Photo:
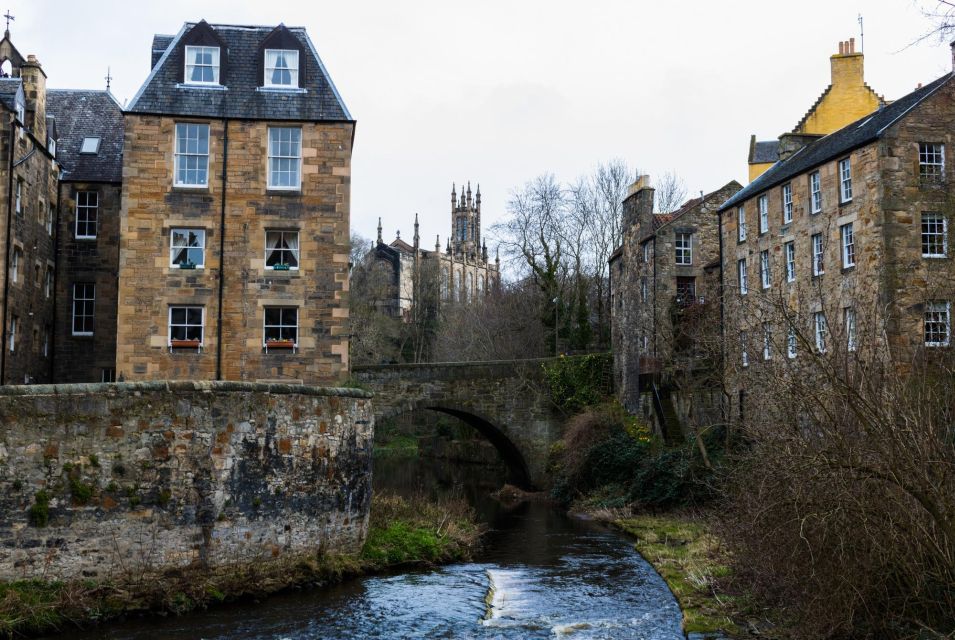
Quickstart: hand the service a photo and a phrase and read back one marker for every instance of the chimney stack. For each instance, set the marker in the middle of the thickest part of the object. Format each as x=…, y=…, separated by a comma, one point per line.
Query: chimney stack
x=953, y=55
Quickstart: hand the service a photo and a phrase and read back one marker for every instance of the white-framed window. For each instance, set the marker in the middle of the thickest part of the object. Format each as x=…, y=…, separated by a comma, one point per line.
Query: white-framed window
x=15, y=262
x=740, y=223
x=644, y=289
x=744, y=348
x=18, y=200
x=84, y=299
x=46, y=341
x=90, y=145
x=815, y=192
x=847, y=238
x=791, y=343
x=931, y=162
x=845, y=180
x=281, y=250
x=281, y=325
x=741, y=275
x=192, y=154
x=789, y=249
x=48, y=287
x=107, y=374
x=646, y=252
x=202, y=65
x=12, y=339
x=818, y=262
x=821, y=331
x=787, y=203
x=934, y=235
x=765, y=277
x=684, y=248
x=767, y=341
x=187, y=248
x=51, y=215
x=646, y=343
x=849, y=323
x=937, y=323
x=87, y=205
x=21, y=115
x=762, y=204
x=285, y=157
x=51, y=147
x=186, y=323
x=281, y=68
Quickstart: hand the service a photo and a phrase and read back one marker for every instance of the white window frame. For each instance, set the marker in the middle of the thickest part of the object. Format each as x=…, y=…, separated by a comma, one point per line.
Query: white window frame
x=744, y=353
x=767, y=341
x=931, y=219
x=48, y=284
x=791, y=343
x=15, y=264
x=183, y=155
x=21, y=115
x=789, y=252
x=84, y=300
x=646, y=252
x=280, y=326
x=683, y=244
x=274, y=146
x=931, y=162
x=12, y=342
x=847, y=242
x=51, y=214
x=18, y=206
x=765, y=277
x=787, y=203
x=815, y=192
x=90, y=145
x=51, y=147
x=849, y=325
x=762, y=204
x=293, y=71
x=821, y=331
x=741, y=276
x=845, y=180
x=938, y=312
x=173, y=247
x=818, y=255
x=297, y=252
x=187, y=324
x=644, y=289
x=83, y=211
x=740, y=224
x=215, y=65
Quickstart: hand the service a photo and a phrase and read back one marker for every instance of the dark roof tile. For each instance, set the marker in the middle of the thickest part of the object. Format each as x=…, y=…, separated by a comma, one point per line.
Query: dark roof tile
x=80, y=114
x=8, y=92
x=765, y=151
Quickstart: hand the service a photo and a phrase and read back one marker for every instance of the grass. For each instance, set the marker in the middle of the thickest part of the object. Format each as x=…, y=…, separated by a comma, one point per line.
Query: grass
x=401, y=532
x=403, y=446
x=695, y=566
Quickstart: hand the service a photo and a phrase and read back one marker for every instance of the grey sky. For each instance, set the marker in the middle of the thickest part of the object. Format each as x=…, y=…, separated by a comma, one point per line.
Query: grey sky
x=499, y=92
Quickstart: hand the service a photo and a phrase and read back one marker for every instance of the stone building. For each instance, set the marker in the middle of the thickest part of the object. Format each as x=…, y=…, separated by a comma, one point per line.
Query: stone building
x=846, y=99
x=29, y=189
x=664, y=286
x=90, y=152
x=460, y=273
x=235, y=211
x=844, y=242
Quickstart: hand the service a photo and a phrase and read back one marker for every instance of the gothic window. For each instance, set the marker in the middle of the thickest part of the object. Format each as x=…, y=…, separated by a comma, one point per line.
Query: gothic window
x=281, y=250
x=202, y=65
x=468, y=287
x=444, y=283
x=285, y=157
x=281, y=68
x=459, y=285
x=480, y=286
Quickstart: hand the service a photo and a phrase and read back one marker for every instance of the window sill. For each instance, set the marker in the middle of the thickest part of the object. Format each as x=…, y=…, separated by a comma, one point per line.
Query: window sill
x=933, y=256
x=278, y=191
x=281, y=89
x=200, y=85
x=843, y=203
x=279, y=273
x=190, y=188
x=848, y=269
x=85, y=238
x=81, y=335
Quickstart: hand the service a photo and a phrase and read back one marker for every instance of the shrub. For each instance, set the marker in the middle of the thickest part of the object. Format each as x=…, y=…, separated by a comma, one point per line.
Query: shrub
x=577, y=382
x=39, y=513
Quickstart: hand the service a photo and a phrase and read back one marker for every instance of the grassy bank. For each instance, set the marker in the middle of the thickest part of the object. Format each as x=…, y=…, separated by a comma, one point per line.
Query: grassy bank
x=401, y=532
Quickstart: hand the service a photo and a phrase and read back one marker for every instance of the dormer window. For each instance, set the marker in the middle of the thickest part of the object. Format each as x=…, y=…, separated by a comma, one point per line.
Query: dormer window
x=281, y=68
x=90, y=145
x=51, y=147
x=202, y=65
x=21, y=114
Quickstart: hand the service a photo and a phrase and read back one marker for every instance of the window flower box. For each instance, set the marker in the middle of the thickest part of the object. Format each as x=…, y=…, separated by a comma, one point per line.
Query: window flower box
x=280, y=267
x=280, y=344
x=185, y=344
x=187, y=265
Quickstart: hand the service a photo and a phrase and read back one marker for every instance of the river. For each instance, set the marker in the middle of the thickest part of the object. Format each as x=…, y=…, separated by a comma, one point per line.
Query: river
x=540, y=575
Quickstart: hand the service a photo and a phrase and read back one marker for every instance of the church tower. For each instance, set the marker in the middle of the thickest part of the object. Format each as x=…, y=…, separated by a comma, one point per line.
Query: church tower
x=466, y=222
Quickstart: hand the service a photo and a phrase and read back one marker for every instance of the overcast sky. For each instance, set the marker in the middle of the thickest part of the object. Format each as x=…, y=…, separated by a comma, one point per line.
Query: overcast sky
x=498, y=92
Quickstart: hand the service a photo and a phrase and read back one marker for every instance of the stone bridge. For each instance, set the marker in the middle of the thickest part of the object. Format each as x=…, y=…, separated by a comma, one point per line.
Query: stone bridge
x=506, y=401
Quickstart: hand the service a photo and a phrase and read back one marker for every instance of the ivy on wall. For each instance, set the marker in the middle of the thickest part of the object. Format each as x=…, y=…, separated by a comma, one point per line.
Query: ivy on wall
x=576, y=382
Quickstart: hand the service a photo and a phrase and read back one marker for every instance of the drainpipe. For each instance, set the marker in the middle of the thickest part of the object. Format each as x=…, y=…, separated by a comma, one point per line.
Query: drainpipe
x=225, y=164
x=51, y=336
x=654, y=303
x=6, y=252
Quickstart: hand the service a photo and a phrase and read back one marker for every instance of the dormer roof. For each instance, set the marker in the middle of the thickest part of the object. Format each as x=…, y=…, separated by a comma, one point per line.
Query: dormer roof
x=240, y=93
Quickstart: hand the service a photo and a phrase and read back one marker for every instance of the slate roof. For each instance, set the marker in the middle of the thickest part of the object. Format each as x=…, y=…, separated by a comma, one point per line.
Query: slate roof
x=80, y=114
x=8, y=92
x=764, y=151
x=838, y=143
x=163, y=93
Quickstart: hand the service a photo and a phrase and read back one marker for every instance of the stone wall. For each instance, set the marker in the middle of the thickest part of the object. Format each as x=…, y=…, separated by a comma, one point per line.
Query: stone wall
x=153, y=475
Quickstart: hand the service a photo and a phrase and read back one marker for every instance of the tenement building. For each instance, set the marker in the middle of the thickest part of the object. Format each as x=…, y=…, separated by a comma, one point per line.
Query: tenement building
x=664, y=285
x=233, y=260
x=461, y=272
x=844, y=242
x=846, y=99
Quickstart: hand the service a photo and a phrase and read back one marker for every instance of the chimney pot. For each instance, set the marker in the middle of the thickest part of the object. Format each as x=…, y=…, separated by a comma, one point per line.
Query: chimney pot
x=842, y=47
x=852, y=45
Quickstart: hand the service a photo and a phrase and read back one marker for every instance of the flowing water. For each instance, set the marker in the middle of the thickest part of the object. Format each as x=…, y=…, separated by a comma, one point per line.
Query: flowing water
x=540, y=575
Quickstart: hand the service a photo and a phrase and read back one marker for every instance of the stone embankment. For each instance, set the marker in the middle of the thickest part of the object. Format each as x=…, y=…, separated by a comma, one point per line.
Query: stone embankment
x=103, y=480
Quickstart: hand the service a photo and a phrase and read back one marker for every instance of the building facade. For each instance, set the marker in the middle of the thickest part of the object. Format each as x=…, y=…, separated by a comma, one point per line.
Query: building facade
x=235, y=212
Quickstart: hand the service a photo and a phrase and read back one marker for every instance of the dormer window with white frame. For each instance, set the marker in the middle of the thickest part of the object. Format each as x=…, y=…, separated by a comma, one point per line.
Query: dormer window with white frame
x=51, y=147
x=202, y=65
x=281, y=68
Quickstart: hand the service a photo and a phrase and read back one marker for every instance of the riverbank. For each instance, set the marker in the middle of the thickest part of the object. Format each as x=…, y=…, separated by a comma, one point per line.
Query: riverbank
x=402, y=532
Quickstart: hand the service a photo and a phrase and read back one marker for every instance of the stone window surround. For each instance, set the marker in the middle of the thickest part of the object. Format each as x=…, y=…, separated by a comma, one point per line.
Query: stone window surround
x=177, y=154
x=938, y=312
x=86, y=208
x=931, y=157
x=765, y=274
x=933, y=232
x=787, y=198
x=73, y=308
x=741, y=223
x=186, y=324
x=683, y=247
x=815, y=192
x=287, y=189
x=789, y=254
x=847, y=245
x=820, y=330
x=16, y=263
x=172, y=249
x=845, y=180
x=849, y=323
x=741, y=276
x=762, y=208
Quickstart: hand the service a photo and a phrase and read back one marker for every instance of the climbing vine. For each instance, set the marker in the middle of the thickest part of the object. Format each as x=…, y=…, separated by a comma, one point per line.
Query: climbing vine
x=576, y=382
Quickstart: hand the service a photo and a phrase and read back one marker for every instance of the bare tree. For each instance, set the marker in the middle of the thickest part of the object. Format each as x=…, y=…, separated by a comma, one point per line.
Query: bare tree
x=941, y=16
x=670, y=192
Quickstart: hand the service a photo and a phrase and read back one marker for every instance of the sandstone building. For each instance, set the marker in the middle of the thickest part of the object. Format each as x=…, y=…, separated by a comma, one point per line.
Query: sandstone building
x=844, y=242
x=234, y=227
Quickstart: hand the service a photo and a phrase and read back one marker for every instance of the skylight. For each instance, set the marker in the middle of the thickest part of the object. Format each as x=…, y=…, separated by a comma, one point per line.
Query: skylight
x=90, y=145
